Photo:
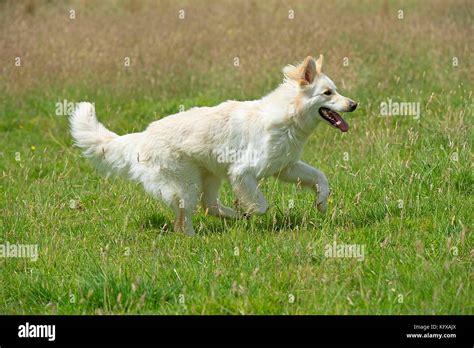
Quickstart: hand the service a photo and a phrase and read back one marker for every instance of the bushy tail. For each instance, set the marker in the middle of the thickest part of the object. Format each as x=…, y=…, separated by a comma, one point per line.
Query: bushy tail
x=107, y=150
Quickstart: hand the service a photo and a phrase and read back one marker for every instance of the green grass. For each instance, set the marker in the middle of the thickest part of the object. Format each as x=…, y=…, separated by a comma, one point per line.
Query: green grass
x=421, y=251
x=112, y=251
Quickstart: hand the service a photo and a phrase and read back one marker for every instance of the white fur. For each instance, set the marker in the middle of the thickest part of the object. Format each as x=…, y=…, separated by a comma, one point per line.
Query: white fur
x=177, y=158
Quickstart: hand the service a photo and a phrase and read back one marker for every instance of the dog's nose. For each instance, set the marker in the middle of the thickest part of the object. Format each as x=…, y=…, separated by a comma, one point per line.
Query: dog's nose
x=352, y=105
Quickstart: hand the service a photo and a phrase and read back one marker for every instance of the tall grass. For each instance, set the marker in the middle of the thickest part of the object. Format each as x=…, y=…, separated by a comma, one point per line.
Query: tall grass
x=401, y=187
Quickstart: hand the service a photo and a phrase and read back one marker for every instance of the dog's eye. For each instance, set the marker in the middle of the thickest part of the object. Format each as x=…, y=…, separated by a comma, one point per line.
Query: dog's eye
x=328, y=92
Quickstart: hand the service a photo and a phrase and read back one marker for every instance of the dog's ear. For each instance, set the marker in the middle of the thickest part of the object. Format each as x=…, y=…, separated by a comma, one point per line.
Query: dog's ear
x=309, y=70
x=304, y=73
x=319, y=64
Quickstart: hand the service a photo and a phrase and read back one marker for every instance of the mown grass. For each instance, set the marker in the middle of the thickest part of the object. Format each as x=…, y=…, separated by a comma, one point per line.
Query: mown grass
x=111, y=250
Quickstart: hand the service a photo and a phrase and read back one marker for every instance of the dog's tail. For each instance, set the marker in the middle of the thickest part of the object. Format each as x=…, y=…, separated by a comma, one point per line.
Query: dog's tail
x=108, y=151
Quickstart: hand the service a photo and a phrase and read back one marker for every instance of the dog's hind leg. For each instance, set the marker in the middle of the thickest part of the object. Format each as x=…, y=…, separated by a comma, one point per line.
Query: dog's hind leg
x=184, y=206
x=310, y=177
x=210, y=198
x=184, y=221
x=181, y=193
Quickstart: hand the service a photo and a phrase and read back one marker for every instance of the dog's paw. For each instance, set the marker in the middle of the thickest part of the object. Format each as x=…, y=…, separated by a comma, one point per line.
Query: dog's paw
x=322, y=206
x=236, y=204
x=189, y=232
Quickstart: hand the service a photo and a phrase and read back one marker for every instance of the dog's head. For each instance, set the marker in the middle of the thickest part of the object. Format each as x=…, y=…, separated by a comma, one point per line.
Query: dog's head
x=318, y=93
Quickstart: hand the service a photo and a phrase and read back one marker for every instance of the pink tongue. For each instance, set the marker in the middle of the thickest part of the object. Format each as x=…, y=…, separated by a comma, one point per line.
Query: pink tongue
x=341, y=124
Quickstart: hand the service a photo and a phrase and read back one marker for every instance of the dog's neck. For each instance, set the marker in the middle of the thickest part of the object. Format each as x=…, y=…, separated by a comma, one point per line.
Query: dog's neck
x=285, y=107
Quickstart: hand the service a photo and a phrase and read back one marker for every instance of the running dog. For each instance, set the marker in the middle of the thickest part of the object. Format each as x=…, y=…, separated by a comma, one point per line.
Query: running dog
x=182, y=159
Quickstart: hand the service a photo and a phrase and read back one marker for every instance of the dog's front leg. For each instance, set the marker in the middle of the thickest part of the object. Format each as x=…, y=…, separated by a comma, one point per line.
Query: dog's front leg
x=249, y=196
x=310, y=177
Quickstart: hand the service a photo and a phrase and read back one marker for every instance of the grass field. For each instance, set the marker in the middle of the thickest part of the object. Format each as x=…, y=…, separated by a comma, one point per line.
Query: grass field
x=402, y=187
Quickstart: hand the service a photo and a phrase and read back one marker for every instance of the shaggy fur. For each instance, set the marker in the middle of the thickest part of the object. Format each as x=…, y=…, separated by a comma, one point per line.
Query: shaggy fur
x=183, y=158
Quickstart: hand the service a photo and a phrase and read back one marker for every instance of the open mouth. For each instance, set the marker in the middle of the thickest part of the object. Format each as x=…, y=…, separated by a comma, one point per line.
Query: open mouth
x=334, y=119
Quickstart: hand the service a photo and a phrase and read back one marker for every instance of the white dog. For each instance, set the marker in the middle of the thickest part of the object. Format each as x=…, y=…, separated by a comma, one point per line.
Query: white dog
x=183, y=158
